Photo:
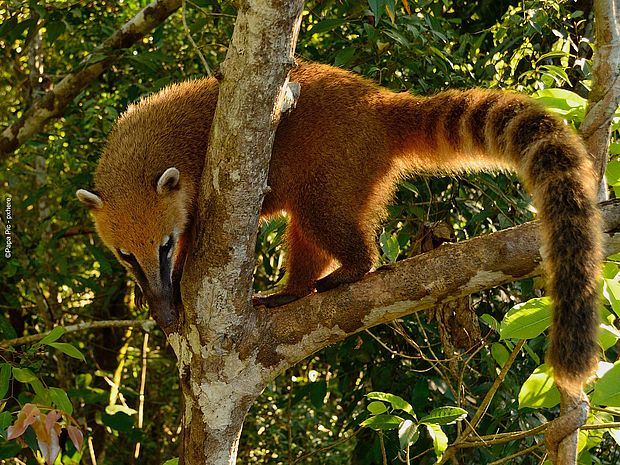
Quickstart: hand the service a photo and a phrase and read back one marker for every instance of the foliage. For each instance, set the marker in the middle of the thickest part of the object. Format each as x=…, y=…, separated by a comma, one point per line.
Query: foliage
x=322, y=410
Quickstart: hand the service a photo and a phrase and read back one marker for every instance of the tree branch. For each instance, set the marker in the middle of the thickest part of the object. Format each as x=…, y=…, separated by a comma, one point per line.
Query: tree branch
x=288, y=334
x=146, y=325
x=53, y=103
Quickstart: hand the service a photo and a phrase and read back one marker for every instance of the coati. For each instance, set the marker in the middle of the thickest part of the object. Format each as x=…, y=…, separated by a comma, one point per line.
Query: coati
x=336, y=159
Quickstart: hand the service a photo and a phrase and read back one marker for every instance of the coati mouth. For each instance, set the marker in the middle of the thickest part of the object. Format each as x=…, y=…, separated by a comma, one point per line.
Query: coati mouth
x=164, y=307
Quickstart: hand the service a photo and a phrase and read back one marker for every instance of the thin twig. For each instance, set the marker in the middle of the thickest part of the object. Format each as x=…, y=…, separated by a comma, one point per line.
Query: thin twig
x=191, y=39
x=515, y=455
x=91, y=450
x=326, y=448
x=146, y=325
x=383, y=452
x=484, y=441
x=471, y=426
x=145, y=350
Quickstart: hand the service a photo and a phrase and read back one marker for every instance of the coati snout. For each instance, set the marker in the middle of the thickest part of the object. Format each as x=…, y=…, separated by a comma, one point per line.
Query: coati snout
x=151, y=249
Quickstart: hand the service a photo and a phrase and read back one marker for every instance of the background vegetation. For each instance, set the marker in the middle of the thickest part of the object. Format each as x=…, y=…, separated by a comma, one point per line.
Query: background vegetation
x=59, y=273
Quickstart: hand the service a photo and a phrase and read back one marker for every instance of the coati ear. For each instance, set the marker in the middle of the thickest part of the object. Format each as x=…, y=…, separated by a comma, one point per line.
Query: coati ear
x=168, y=180
x=91, y=200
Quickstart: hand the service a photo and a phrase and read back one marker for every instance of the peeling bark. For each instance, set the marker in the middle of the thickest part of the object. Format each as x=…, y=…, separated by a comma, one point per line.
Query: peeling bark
x=53, y=103
x=219, y=378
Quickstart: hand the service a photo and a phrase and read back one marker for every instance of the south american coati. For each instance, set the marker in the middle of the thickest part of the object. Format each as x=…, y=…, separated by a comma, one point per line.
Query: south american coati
x=336, y=159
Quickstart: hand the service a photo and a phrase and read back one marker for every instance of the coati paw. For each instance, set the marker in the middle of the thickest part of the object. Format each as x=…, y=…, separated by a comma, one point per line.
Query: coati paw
x=562, y=427
x=327, y=283
x=274, y=300
x=340, y=276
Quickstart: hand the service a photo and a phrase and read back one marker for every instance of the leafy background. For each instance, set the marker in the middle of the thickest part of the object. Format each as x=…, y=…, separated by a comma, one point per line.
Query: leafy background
x=392, y=394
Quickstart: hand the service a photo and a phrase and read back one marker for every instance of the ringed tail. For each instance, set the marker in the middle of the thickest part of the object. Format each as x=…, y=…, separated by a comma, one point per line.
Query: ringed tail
x=468, y=130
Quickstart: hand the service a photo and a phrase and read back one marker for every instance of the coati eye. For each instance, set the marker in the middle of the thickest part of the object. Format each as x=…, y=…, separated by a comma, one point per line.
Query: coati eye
x=124, y=253
x=127, y=256
x=165, y=249
x=134, y=267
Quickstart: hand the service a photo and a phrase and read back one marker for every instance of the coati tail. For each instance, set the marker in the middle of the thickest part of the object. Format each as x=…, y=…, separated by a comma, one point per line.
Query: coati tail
x=457, y=131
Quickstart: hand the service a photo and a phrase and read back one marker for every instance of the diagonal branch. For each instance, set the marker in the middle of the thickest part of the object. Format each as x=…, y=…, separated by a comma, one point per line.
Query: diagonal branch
x=290, y=333
x=53, y=103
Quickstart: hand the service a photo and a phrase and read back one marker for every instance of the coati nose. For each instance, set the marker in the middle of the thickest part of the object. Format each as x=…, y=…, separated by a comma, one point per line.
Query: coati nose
x=163, y=310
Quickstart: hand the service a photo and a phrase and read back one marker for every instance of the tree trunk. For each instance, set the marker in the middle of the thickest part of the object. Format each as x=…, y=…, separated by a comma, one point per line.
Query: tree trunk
x=220, y=378
x=604, y=98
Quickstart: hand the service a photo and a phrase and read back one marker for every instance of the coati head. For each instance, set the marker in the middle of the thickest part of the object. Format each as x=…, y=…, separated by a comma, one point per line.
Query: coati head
x=147, y=233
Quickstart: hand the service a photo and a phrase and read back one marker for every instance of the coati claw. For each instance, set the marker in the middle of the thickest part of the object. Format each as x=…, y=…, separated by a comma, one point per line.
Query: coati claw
x=562, y=427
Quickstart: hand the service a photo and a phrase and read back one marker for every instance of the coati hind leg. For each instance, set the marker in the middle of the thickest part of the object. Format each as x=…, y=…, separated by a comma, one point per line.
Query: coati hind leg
x=305, y=263
x=351, y=244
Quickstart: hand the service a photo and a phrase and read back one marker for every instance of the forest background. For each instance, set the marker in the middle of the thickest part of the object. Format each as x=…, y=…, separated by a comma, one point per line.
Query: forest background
x=117, y=382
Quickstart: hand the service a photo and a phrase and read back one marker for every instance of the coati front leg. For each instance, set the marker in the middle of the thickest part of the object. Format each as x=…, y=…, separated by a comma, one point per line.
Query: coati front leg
x=305, y=263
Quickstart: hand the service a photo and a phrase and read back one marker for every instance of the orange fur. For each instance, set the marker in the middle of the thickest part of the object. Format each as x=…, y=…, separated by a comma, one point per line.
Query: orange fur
x=336, y=159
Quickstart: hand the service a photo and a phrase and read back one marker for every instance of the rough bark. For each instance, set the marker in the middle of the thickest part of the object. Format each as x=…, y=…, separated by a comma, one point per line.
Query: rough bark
x=604, y=98
x=220, y=380
x=53, y=102
x=603, y=102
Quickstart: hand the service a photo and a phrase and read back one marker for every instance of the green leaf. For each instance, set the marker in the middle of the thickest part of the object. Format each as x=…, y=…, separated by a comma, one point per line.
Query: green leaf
x=500, y=353
x=440, y=440
x=395, y=401
x=5, y=379
x=444, y=416
x=490, y=321
x=42, y=394
x=376, y=408
x=389, y=246
x=54, y=30
x=527, y=320
x=344, y=56
x=53, y=335
x=539, y=389
x=60, y=399
x=114, y=409
x=408, y=434
x=68, y=349
x=608, y=336
x=119, y=421
x=5, y=421
x=6, y=329
x=382, y=422
x=174, y=461
x=612, y=172
x=327, y=25
x=24, y=375
x=318, y=391
x=606, y=390
x=377, y=7
x=611, y=290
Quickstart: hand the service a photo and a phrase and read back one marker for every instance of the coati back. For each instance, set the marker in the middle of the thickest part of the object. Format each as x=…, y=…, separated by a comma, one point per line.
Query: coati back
x=335, y=162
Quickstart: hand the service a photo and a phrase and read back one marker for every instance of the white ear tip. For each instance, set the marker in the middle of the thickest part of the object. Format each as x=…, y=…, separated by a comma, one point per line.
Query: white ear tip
x=89, y=199
x=168, y=180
